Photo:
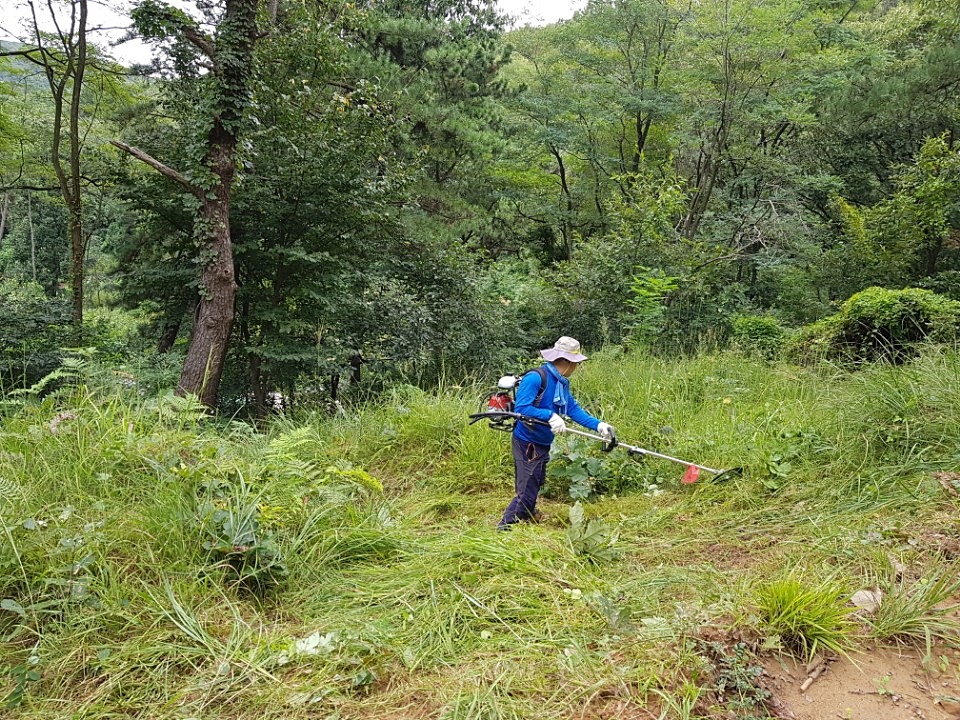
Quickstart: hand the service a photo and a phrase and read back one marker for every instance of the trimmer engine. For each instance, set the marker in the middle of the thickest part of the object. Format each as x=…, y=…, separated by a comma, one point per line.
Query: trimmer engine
x=502, y=400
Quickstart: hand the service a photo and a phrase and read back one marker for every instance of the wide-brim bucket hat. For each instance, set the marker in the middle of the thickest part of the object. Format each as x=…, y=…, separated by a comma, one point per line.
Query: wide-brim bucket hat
x=565, y=347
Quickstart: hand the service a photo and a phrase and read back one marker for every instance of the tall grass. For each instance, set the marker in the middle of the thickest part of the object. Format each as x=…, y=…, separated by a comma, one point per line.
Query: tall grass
x=806, y=617
x=382, y=587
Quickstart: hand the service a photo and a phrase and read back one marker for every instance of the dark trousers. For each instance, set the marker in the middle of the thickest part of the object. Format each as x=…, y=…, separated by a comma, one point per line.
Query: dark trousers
x=530, y=466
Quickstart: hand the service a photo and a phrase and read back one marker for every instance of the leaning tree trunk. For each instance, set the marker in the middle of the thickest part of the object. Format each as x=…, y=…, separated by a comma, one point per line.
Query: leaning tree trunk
x=4, y=209
x=207, y=351
x=566, y=221
x=231, y=56
x=701, y=197
x=168, y=337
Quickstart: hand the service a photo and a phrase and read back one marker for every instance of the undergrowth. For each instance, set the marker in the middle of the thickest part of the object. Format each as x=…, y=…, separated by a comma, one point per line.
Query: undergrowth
x=156, y=561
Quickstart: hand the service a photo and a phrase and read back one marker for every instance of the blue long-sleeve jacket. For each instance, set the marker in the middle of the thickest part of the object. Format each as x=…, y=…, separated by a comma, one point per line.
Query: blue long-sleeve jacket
x=527, y=392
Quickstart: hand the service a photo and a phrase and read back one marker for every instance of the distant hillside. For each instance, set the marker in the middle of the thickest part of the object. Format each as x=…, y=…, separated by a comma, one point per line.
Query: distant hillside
x=18, y=70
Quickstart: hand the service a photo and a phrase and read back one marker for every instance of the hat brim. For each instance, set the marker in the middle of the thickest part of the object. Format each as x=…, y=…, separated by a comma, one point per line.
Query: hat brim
x=551, y=354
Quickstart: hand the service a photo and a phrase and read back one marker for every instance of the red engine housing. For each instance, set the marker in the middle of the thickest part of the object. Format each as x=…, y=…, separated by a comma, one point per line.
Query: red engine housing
x=501, y=402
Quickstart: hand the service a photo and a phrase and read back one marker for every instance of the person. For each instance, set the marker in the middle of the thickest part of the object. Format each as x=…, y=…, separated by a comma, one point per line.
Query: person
x=545, y=395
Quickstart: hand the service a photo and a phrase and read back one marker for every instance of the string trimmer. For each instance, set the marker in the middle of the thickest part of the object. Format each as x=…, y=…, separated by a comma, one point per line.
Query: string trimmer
x=499, y=418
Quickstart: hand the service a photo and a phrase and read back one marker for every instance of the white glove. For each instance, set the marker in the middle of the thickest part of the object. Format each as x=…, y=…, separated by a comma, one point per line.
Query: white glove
x=557, y=425
x=606, y=431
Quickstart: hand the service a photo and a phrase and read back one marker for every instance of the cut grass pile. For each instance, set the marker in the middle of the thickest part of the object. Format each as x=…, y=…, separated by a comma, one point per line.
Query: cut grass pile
x=157, y=564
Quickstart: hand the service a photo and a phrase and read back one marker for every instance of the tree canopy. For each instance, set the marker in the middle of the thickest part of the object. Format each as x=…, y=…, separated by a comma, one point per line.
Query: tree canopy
x=291, y=191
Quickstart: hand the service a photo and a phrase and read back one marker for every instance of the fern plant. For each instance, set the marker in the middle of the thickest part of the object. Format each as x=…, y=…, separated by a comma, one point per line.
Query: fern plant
x=10, y=491
x=70, y=369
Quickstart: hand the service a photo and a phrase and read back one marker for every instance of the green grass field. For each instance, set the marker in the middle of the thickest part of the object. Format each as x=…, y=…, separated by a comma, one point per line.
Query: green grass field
x=157, y=564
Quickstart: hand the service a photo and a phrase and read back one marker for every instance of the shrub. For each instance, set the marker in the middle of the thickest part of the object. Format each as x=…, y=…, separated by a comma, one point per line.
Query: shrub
x=117, y=334
x=649, y=291
x=33, y=327
x=946, y=283
x=576, y=472
x=699, y=312
x=760, y=335
x=230, y=517
x=880, y=324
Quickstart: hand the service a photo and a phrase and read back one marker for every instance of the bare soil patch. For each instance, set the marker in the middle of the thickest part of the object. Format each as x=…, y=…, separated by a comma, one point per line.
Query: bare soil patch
x=881, y=684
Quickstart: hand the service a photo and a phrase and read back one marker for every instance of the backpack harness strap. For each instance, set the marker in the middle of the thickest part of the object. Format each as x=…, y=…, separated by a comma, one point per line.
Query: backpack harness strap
x=543, y=384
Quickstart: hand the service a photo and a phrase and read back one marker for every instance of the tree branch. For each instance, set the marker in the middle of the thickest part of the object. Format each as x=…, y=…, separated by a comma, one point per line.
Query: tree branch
x=34, y=188
x=164, y=170
x=735, y=255
x=25, y=54
x=199, y=41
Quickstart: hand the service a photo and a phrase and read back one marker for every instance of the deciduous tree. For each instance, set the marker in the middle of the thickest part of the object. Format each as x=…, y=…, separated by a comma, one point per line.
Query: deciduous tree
x=210, y=90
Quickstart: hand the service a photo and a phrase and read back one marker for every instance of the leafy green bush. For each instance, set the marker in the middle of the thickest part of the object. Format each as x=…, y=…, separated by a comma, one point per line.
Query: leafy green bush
x=815, y=341
x=33, y=327
x=117, y=334
x=649, y=291
x=758, y=334
x=605, y=290
x=576, y=473
x=699, y=312
x=880, y=324
x=946, y=283
x=248, y=553
x=581, y=474
x=584, y=296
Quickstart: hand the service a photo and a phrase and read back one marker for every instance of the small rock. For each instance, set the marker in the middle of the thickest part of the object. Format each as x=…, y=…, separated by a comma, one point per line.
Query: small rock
x=867, y=600
x=898, y=568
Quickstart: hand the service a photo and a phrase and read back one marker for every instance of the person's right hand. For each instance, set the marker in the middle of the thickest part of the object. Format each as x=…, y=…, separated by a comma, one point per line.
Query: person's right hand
x=557, y=425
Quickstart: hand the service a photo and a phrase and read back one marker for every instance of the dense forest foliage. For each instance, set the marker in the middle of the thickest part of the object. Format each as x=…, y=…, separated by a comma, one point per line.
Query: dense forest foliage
x=295, y=194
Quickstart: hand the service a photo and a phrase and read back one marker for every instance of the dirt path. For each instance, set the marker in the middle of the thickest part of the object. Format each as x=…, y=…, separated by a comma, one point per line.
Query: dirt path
x=883, y=684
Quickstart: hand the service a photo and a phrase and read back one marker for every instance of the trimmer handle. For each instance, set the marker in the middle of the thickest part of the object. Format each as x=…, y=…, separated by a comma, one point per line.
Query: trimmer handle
x=610, y=444
x=503, y=415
